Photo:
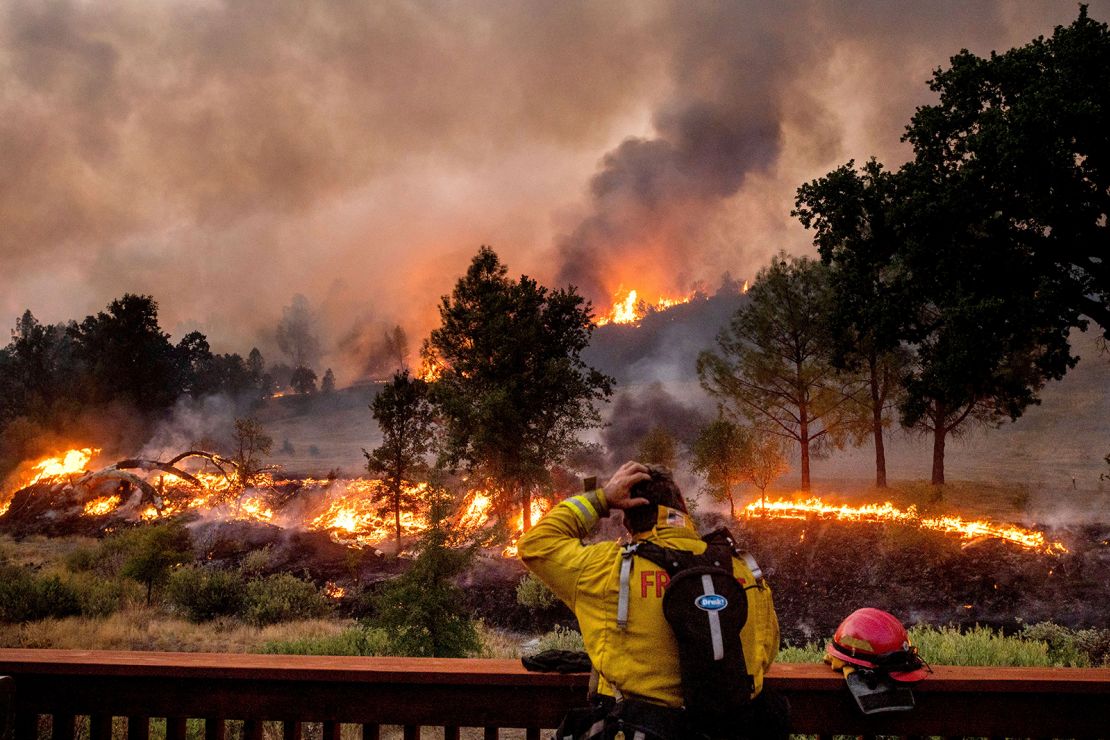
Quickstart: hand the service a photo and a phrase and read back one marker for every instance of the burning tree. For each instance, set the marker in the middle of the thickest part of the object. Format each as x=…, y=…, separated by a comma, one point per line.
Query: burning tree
x=405, y=417
x=512, y=388
x=775, y=363
x=252, y=445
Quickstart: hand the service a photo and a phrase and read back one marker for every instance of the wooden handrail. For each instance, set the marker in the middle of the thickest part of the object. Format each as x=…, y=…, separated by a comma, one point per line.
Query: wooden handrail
x=415, y=692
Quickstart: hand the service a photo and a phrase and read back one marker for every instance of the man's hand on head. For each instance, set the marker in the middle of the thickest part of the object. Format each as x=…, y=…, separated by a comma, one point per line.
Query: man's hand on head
x=619, y=487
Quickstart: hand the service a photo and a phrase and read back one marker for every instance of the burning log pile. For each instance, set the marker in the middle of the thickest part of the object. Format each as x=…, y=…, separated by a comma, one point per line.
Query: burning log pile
x=58, y=496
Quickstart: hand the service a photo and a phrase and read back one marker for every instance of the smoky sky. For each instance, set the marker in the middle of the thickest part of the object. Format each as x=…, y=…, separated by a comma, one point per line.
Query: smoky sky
x=225, y=156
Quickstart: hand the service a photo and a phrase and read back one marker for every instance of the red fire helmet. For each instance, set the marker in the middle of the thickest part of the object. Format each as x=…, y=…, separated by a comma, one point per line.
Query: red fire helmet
x=872, y=638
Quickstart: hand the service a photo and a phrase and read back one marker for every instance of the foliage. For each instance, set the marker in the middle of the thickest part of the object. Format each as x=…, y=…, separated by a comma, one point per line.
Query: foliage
x=774, y=365
x=405, y=417
x=352, y=641
x=1027, y=134
x=151, y=552
x=852, y=215
x=126, y=355
x=422, y=609
x=532, y=593
x=1072, y=647
x=658, y=447
x=303, y=380
x=561, y=638
x=1040, y=645
x=282, y=597
x=25, y=597
x=512, y=388
x=203, y=593
x=722, y=452
x=727, y=455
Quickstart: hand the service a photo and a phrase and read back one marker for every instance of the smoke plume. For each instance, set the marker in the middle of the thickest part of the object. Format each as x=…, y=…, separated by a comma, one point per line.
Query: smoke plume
x=224, y=156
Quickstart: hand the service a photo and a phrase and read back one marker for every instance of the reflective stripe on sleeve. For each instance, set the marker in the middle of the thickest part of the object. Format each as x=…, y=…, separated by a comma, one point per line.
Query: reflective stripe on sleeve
x=714, y=620
x=757, y=572
x=583, y=509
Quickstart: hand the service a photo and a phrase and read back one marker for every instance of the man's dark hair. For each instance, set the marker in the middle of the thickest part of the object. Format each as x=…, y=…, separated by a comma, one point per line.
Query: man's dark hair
x=660, y=490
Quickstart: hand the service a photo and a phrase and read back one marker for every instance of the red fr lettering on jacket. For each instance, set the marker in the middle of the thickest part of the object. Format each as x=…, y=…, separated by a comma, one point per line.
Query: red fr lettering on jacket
x=657, y=578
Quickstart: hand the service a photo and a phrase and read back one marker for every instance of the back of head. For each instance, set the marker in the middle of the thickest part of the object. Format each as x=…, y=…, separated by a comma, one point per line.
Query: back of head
x=660, y=490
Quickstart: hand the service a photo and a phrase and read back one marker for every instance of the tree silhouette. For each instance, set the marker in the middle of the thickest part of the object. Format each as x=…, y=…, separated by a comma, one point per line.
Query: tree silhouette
x=405, y=417
x=512, y=389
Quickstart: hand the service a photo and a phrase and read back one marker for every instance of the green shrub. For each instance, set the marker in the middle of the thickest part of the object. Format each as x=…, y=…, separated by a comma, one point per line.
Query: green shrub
x=153, y=551
x=202, y=594
x=98, y=596
x=355, y=641
x=977, y=646
x=83, y=559
x=561, y=638
x=1073, y=648
x=532, y=593
x=283, y=597
x=423, y=611
x=25, y=597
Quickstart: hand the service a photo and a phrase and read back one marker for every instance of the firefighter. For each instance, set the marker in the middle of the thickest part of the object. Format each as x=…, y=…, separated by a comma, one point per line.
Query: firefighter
x=631, y=644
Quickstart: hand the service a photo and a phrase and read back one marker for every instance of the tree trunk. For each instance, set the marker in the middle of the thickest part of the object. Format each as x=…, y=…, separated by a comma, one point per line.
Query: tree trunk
x=877, y=426
x=732, y=506
x=939, y=433
x=397, y=519
x=803, y=435
x=526, y=503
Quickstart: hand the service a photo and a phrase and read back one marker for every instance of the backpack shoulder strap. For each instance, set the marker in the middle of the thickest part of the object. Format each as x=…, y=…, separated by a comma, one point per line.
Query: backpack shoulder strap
x=721, y=540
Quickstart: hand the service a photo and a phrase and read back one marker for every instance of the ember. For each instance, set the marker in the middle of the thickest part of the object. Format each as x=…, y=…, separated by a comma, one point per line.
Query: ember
x=815, y=508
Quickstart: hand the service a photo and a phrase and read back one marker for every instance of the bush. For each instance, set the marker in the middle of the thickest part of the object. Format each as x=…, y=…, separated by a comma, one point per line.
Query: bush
x=202, y=594
x=423, y=611
x=561, y=638
x=283, y=597
x=532, y=593
x=96, y=596
x=1072, y=648
x=977, y=646
x=25, y=597
x=355, y=641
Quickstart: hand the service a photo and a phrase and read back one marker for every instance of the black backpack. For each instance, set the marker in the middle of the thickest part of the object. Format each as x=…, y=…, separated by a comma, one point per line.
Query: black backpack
x=706, y=608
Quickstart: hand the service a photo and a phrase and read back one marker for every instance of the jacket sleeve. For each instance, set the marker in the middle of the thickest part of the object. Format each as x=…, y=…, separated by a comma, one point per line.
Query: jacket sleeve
x=553, y=551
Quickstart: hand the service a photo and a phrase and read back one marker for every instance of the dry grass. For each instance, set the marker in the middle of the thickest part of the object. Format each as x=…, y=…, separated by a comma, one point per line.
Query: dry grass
x=42, y=553
x=143, y=629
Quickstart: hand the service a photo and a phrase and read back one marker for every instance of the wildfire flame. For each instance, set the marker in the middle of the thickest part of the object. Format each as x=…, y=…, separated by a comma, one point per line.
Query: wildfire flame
x=888, y=512
x=65, y=464
x=101, y=506
x=629, y=308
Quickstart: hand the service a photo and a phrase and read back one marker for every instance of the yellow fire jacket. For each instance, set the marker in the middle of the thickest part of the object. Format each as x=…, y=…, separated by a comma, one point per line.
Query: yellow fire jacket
x=641, y=660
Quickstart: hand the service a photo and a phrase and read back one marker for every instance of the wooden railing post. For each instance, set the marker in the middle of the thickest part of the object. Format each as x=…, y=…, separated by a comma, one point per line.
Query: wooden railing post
x=138, y=727
x=175, y=728
x=100, y=727
x=215, y=729
x=62, y=727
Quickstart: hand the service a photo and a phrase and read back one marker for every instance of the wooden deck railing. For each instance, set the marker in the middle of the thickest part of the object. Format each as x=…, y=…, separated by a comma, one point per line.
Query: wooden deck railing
x=277, y=695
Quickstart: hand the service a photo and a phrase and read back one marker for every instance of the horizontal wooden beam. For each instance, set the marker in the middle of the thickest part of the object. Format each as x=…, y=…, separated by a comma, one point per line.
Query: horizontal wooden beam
x=500, y=693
